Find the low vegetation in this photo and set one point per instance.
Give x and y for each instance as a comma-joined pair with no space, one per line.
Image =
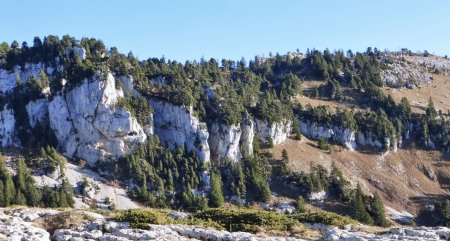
245,220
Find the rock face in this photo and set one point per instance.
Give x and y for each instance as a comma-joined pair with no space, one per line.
37,111
348,138
411,71
224,141
248,133
7,127
399,75
128,85
177,126
420,233
8,79
89,126
278,131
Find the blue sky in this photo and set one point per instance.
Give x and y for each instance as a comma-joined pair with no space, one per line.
190,29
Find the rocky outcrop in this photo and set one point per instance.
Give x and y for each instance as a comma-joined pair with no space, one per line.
87,124
277,131
8,79
7,127
400,75
343,136
248,133
37,111
427,171
412,71
176,126
224,141
400,233
346,137
128,85
20,224
434,64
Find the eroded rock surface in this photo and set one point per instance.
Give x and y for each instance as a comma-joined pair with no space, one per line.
89,126
177,126
7,127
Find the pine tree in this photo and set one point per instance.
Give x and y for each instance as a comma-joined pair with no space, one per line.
300,205
9,189
216,198
284,162
21,175
431,111
32,194
241,181
377,211
359,208
296,131
19,199
2,194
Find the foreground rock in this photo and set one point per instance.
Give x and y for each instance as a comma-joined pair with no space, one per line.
420,233
44,224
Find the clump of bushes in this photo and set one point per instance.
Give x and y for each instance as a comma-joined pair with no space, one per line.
246,220
327,218
324,145
243,220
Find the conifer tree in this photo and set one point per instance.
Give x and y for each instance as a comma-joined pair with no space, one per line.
296,131
431,111
2,194
359,208
21,175
19,199
377,211
300,205
216,198
9,189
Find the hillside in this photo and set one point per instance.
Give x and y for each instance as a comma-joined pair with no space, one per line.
88,127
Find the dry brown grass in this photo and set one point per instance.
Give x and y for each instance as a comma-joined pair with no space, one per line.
395,175
439,90
309,87
63,220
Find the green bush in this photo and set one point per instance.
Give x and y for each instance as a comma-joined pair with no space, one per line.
324,145
325,218
246,220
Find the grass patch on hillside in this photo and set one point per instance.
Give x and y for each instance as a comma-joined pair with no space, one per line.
327,218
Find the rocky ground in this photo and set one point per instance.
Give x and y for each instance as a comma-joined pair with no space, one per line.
44,224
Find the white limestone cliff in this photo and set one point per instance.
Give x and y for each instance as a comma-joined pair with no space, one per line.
37,111
348,138
89,126
248,133
7,127
8,78
177,126
278,131
224,141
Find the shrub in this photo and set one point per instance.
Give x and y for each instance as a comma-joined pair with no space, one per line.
324,145
325,218
246,220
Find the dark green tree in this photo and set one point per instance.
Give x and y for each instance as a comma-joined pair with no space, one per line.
359,211
216,198
296,131
377,211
